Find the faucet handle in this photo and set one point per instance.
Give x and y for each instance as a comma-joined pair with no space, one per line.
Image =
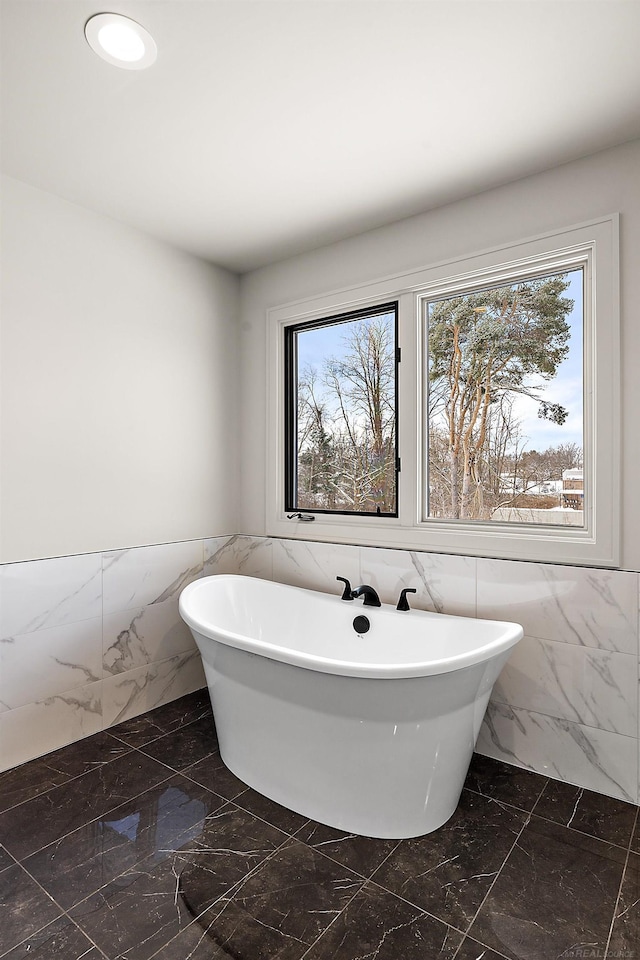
346,593
403,603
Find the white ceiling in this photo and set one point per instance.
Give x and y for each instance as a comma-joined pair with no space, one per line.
268,127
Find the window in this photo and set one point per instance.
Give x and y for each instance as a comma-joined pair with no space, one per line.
504,412
341,402
504,386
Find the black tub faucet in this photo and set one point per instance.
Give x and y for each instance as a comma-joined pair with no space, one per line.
346,593
403,603
371,598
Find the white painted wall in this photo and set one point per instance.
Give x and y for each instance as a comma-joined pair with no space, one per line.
604,183
119,385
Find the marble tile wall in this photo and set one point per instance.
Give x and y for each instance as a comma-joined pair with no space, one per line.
88,641
566,704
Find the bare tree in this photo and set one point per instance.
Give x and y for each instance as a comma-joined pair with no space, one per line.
363,384
346,423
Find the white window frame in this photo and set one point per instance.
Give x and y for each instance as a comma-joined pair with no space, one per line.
594,245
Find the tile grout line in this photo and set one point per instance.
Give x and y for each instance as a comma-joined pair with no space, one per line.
63,913
238,885
48,895
512,848
415,906
99,816
9,854
622,879
130,749
132,866
109,733
495,879
268,823
615,906
340,912
142,747
497,953
228,895
370,881
64,783
580,723
505,803
289,836
426,913
560,823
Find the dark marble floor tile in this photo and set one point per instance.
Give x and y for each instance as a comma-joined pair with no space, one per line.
213,773
362,854
504,782
377,924
27,781
209,937
625,935
281,817
6,860
85,755
635,837
38,822
36,777
472,950
149,827
592,813
138,912
24,907
186,745
137,731
171,716
231,834
279,911
60,940
149,726
448,872
556,892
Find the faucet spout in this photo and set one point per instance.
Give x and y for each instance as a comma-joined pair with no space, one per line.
371,598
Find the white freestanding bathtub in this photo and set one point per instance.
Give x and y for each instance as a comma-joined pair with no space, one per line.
369,732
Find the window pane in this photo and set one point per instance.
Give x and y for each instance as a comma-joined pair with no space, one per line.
505,403
342,433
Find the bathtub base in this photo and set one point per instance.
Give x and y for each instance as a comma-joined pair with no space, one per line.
378,757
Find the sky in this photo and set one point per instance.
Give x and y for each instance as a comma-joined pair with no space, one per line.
314,346
565,388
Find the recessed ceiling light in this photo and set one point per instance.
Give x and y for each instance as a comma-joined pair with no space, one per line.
120,41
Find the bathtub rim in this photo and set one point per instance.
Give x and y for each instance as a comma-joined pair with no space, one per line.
510,634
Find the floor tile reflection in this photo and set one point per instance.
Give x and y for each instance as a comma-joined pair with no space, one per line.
139,843
148,827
